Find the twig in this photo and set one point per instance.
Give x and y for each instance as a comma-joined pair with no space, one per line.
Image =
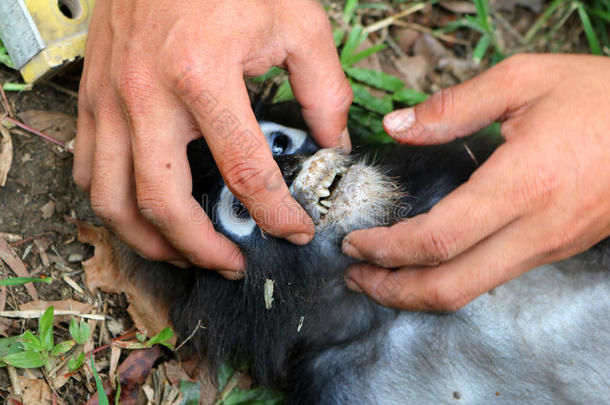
37,313
61,89
393,18
7,106
195,329
34,131
421,28
12,375
30,238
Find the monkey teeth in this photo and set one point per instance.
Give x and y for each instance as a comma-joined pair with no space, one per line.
317,183
322,209
323,203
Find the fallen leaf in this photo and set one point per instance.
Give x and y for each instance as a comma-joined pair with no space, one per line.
112,272
10,237
6,154
458,7
41,249
430,48
66,305
8,255
6,325
405,37
34,391
59,126
510,5
414,69
115,355
48,209
132,375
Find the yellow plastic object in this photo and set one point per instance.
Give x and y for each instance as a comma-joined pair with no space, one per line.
63,30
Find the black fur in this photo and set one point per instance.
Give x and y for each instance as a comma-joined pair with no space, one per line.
308,280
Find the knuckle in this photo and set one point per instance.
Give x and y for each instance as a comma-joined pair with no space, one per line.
389,253
513,68
442,300
244,177
153,252
442,102
438,246
390,291
106,208
535,187
188,77
133,83
153,206
344,96
81,179
559,243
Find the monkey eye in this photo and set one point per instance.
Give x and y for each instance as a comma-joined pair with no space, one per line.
239,210
232,215
280,142
283,140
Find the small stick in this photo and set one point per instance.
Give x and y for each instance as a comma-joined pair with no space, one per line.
393,18
61,89
7,106
34,131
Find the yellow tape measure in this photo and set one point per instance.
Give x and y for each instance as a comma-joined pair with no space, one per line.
43,35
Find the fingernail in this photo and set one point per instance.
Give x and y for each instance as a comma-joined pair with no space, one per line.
299,238
350,284
183,264
350,250
232,275
345,143
399,121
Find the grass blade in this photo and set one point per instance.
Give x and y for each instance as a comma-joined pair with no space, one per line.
481,48
24,280
375,78
589,31
365,54
363,97
101,394
355,37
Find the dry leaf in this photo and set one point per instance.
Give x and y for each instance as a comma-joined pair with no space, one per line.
8,255
414,69
6,325
458,7
66,305
115,355
106,270
34,392
430,48
132,374
57,125
510,5
48,209
6,154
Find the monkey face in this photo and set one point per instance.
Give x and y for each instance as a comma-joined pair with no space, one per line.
340,193
308,309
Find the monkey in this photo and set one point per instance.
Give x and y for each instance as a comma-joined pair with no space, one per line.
543,337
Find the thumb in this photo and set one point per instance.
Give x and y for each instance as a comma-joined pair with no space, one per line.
470,106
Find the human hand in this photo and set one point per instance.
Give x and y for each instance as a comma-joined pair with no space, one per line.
541,197
159,74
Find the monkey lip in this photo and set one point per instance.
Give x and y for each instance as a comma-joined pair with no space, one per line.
337,191
327,189
319,182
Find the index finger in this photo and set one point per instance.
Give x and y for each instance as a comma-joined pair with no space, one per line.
318,81
493,197
224,115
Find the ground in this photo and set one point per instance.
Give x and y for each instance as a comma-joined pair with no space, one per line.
40,198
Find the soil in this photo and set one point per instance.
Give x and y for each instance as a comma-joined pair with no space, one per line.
40,192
